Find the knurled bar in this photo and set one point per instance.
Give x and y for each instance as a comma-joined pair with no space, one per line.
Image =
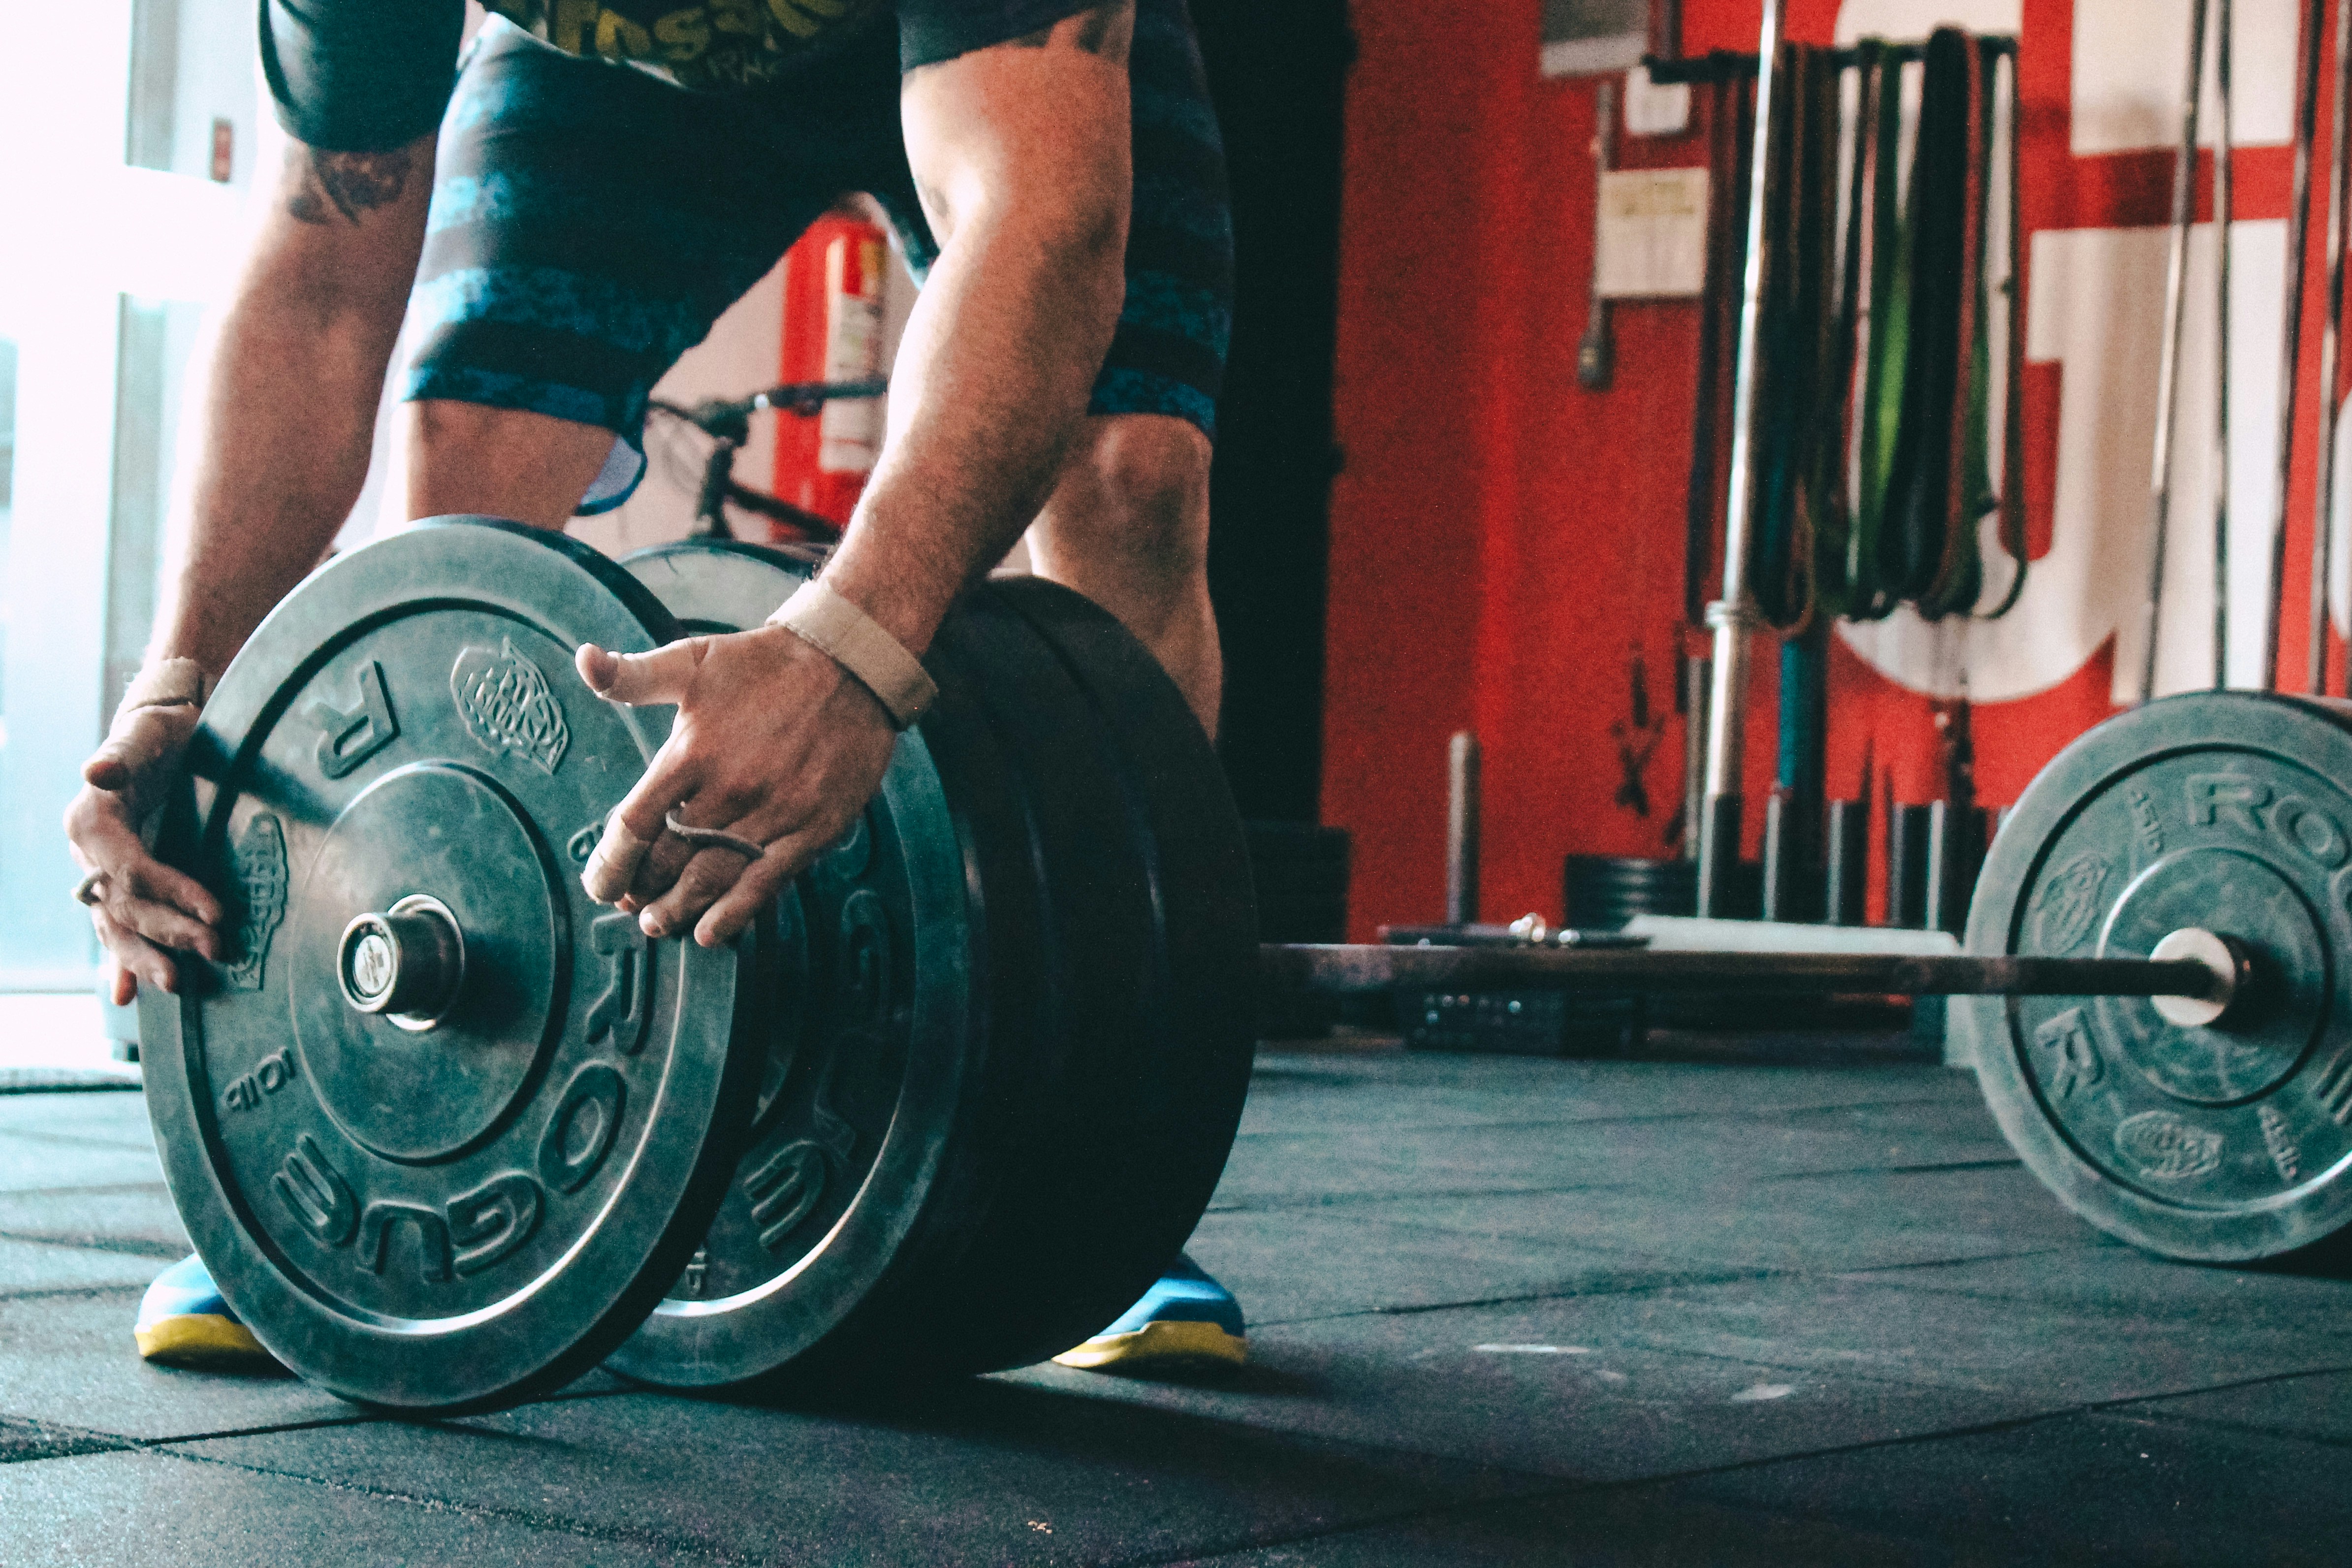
1338,969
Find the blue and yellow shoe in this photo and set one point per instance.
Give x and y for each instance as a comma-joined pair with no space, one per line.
1186,1318
183,1321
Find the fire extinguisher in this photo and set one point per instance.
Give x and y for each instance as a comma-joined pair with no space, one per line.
833,331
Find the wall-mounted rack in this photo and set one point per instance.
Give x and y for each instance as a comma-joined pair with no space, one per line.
1722,65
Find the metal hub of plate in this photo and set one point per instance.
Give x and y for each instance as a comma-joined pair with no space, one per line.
2218,1136
868,991
2237,989
423,1069
407,964
441,1127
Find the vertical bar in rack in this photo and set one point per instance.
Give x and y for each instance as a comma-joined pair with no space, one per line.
1697,675
1734,616
1596,355
1847,877
1666,39
2167,369
1462,829
2323,511
2298,244
1908,837
1950,866
2221,213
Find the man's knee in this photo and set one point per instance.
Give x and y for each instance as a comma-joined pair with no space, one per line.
1137,494
456,456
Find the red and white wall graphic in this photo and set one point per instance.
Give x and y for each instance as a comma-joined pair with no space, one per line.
1503,542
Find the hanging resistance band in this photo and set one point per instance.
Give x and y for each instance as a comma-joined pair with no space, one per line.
1730,142
2012,439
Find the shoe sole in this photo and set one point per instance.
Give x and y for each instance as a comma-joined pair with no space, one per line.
204,1340
1163,1341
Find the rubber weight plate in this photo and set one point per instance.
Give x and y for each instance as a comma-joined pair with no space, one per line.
1085,1206
878,1012
1177,1103
2221,810
441,1127
1050,1198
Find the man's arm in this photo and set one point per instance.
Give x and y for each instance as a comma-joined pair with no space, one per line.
1022,153
291,389
281,433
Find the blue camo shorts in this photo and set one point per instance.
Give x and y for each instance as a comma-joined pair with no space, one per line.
589,223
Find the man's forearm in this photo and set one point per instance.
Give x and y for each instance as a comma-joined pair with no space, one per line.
283,428
1000,356
283,435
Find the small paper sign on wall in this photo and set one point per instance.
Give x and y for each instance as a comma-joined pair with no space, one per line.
1652,234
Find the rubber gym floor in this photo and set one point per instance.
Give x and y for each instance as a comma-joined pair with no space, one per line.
1787,1302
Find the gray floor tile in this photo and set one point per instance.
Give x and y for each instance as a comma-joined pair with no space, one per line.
21,1441
121,1077
1671,1153
1363,1264
2317,1407
985,1471
127,1511
1860,1328
2093,1279
1734,1314
29,1266
2075,1489
40,1162
1544,1388
70,1360
138,1218
1309,1093
114,1116
1593,1527
1811,1224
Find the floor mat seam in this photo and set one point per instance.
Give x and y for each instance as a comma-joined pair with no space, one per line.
552,1523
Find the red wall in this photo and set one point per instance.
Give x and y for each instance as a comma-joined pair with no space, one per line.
1502,540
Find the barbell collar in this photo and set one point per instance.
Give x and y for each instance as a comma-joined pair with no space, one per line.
2230,964
407,964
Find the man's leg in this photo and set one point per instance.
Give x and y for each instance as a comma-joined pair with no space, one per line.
457,458
1127,526
565,270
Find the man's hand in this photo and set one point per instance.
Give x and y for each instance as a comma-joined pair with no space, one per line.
141,907
774,744
1021,154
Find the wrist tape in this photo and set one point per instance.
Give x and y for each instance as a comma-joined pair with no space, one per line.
832,625
168,683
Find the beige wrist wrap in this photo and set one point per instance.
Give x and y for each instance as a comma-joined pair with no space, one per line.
168,683
831,624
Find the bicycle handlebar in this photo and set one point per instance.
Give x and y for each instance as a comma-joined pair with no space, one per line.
730,419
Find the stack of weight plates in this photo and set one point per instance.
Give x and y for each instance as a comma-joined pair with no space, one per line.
1301,872
985,1142
447,1134
1602,893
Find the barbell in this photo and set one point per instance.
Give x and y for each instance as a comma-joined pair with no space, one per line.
448,1133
